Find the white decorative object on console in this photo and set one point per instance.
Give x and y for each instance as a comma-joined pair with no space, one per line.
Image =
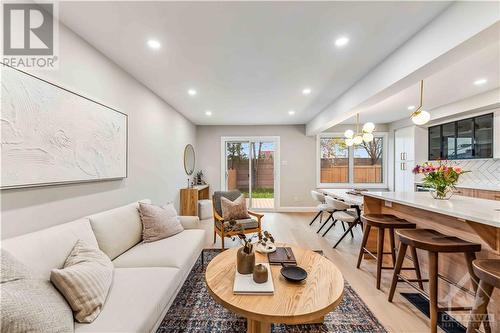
51,135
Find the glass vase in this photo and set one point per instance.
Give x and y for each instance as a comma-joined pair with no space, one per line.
442,193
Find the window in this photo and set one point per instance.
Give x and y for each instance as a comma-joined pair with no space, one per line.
368,162
342,166
334,160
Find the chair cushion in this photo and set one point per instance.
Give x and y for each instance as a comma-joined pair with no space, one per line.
137,299
179,251
158,222
346,216
249,223
84,281
231,195
234,210
117,230
30,304
47,249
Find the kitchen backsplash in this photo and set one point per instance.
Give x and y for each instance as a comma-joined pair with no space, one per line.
484,173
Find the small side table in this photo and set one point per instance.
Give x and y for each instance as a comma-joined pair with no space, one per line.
190,197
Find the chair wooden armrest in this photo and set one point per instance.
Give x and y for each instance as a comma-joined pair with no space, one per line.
257,215
218,217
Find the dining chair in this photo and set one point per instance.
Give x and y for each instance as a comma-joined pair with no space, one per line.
345,214
321,207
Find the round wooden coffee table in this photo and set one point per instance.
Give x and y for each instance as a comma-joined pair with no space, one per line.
292,303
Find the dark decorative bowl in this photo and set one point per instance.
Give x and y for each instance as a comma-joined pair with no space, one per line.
294,273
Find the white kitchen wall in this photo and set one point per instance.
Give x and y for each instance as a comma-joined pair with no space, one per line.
157,136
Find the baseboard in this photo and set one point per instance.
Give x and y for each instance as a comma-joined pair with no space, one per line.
296,209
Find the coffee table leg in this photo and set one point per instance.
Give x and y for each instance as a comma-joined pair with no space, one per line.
254,326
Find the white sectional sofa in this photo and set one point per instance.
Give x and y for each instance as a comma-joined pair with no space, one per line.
147,276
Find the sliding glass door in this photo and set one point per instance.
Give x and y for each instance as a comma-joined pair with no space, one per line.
250,166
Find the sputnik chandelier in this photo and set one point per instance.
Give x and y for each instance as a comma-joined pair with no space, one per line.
366,134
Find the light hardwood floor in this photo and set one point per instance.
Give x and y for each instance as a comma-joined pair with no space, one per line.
399,316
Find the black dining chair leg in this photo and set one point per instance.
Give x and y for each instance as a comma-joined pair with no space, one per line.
331,226
345,234
326,221
314,219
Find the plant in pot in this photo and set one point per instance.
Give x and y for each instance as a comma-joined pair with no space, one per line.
441,179
245,261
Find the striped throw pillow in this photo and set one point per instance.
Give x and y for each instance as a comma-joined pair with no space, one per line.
84,281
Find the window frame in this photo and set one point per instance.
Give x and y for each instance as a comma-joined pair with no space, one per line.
350,184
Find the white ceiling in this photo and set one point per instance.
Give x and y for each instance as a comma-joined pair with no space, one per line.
455,82
248,61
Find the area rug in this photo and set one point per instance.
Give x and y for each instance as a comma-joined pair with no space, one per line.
195,311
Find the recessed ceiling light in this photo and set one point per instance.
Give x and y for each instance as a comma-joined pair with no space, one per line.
341,41
208,113
291,112
479,82
192,92
306,91
411,107
154,44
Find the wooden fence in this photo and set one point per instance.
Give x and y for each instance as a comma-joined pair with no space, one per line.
263,177
362,174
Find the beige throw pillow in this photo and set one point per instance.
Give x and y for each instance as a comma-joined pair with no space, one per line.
30,304
158,222
234,210
84,281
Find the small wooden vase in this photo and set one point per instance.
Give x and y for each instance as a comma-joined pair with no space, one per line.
245,262
260,273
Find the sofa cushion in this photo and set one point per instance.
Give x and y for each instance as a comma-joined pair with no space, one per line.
30,304
118,229
84,281
136,301
158,222
180,251
47,249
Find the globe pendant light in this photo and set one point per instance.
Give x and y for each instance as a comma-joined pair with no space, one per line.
419,116
366,135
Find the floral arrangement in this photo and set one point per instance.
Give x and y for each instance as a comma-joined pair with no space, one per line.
441,178
247,242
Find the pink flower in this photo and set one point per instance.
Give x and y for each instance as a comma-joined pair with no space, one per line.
458,169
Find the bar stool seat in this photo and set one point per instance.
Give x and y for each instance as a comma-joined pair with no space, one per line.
382,222
434,241
488,272
386,221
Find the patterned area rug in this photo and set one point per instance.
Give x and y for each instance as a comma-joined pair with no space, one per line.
194,311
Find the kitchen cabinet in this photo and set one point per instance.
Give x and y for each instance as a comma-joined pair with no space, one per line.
463,139
409,148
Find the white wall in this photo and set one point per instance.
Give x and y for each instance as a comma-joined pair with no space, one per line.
297,154
157,136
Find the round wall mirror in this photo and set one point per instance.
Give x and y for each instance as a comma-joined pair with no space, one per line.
189,159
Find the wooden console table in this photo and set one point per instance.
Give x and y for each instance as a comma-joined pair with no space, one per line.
190,197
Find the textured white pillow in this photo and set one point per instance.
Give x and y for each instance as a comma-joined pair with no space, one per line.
29,304
84,281
158,222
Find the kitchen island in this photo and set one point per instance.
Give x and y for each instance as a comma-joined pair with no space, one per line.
472,219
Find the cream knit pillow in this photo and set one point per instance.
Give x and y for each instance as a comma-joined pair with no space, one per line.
84,281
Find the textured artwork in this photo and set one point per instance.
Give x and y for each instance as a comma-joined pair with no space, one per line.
52,136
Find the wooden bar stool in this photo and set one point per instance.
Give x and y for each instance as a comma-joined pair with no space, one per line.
434,243
488,272
382,222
